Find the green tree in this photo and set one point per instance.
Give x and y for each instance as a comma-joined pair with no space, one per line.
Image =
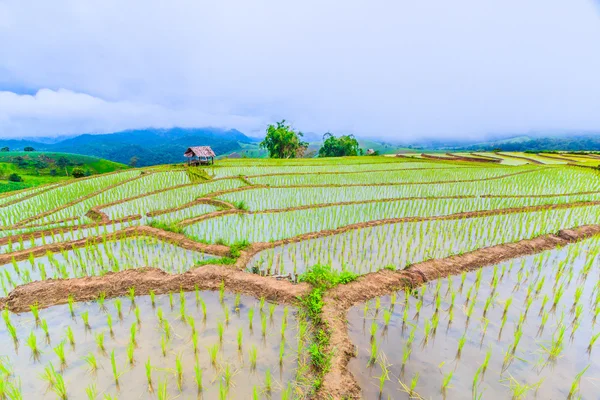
63,162
345,145
282,141
78,172
5,148
28,148
15,178
133,161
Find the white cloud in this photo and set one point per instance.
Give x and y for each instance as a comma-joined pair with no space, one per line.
63,112
395,68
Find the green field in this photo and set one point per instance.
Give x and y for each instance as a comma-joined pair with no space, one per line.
454,276
38,168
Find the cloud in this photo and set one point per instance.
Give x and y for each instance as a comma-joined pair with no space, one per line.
394,68
50,112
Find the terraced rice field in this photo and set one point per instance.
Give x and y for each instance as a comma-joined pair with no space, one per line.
367,277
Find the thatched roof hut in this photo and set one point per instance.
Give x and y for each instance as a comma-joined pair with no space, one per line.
197,155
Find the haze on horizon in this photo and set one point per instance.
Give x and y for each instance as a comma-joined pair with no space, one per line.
395,69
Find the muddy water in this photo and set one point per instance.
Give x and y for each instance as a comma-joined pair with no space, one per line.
435,355
133,383
99,259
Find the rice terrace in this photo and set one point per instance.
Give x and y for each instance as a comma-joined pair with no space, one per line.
417,276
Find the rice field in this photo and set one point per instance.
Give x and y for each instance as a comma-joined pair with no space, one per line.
235,281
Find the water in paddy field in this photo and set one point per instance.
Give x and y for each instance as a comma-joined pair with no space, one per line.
150,337
96,260
538,350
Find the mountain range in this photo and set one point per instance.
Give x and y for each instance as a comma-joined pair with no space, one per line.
150,146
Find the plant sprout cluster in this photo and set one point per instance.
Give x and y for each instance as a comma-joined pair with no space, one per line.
145,184
398,245
394,176
58,235
213,345
169,199
328,168
522,329
272,226
59,196
99,259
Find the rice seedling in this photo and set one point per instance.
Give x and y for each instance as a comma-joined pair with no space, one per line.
113,364
59,350
198,377
91,391
179,371
213,352
253,353
446,381
99,337
268,381
31,342
91,362
148,369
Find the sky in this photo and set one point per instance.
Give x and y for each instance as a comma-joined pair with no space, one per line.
398,69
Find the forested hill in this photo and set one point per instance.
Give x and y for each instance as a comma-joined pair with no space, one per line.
150,146
574,143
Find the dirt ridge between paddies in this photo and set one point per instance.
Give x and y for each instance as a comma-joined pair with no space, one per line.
339,383
531,160
115,284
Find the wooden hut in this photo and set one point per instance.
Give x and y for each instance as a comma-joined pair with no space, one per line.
200,155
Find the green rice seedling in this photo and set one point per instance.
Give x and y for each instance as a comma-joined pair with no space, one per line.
163,345
220,331
166,328
222,391
70,336
159,315
91,391
59,350
203,304
31,342
593,341
213,352
271,311
71,301
373,329
255,393
153,298
268,381
384,373
240,335
413,384
228,375
575,385
461,344
253,355
198,376
250,317
113,364
387,316
118,306
148,368
48,374
44,326
91,362
138,317
221,291
36,312
100,341
171,300
261,304
281,352
85,317
132,334
130,353
179,371
374,353
109,323
59,388
226,312
100,300
446,381
162,390
263,324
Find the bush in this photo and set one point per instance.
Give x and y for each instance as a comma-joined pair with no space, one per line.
78,172
28,148
15,178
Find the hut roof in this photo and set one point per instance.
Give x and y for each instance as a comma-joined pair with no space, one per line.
199,151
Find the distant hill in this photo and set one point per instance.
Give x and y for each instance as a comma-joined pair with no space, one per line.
150,146
526,143
39,167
